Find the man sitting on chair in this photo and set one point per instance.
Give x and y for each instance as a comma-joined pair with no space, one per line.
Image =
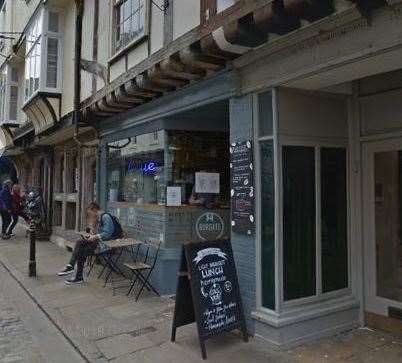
86,246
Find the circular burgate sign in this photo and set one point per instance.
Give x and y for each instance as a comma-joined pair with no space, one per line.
210,226
2,142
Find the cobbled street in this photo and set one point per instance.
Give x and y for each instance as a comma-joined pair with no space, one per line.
26,334
16,342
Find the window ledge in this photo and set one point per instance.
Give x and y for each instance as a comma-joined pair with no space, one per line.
122,52
307,312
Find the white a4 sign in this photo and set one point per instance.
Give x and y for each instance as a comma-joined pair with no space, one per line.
207,183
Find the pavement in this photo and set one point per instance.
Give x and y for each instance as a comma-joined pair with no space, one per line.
43,320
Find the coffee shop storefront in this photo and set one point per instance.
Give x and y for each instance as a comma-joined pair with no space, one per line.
169,178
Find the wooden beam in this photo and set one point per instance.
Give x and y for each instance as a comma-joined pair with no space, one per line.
244,32
310,10
238,10
105,107
175,69
113,101
121,95
155,74
131,89
193,57
274,19
145,83
208,9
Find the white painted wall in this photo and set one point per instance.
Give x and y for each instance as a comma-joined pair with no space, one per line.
186,15
156,26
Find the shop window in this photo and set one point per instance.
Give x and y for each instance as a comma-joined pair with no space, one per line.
267,224
140,170
308,232
130,21
334,242
299,222
43,53
265,114
9,94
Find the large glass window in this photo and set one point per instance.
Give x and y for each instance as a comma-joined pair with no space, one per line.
299,228
136,170
267,224
334,241
33,56
9,94
140,169
301,222
43,46
130,21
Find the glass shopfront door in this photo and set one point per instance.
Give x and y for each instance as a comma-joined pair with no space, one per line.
382,183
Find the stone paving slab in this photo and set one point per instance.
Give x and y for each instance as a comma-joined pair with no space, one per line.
108,328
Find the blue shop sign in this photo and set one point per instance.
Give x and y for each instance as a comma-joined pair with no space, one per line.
146,167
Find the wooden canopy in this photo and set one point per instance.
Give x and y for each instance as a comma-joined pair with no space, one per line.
210,48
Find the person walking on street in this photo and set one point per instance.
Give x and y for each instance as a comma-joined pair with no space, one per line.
86,246
16,208
5,208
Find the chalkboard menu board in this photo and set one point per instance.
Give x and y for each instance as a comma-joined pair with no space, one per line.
242,187
208,291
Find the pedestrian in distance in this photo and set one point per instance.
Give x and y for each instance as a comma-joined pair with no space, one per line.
16,208
5,208
106,226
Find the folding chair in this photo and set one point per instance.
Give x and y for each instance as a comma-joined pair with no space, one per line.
96,257
142,270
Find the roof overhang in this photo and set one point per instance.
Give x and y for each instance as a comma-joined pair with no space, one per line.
6,138
211,47
43,109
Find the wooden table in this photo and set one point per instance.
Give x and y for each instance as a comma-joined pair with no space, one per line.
122,243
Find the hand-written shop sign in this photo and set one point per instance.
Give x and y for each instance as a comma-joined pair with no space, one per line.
208,291
242,187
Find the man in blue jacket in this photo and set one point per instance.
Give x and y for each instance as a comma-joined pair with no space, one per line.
5,208
85,247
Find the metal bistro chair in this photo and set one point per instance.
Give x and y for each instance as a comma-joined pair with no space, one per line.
142,270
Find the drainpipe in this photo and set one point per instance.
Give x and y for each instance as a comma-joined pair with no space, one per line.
79,6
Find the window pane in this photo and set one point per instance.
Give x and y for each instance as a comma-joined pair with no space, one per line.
299,240
52,56
53,22
130,18
267,225
387,218
265,113
334,243
13,102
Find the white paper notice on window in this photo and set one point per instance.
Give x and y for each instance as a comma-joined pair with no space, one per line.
173,196
207,183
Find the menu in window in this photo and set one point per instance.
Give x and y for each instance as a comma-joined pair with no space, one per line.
242,187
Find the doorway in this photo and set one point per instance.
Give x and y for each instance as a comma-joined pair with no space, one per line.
382,186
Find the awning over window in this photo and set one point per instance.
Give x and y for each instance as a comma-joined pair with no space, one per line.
6,138
43,110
